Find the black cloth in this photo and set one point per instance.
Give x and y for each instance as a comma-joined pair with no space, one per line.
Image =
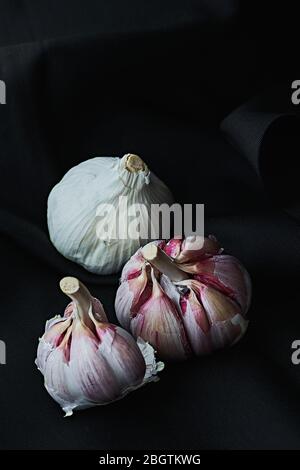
158,79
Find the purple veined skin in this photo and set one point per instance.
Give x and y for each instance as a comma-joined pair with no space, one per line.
87,361
185,297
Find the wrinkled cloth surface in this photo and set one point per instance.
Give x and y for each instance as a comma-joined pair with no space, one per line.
201,90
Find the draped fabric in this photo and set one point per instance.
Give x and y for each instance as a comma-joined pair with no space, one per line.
202,91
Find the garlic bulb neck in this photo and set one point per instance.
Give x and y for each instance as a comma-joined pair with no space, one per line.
134,163
160,260
80,295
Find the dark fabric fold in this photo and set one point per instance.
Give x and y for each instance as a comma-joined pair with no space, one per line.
266,131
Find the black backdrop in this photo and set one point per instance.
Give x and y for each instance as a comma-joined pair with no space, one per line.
162,79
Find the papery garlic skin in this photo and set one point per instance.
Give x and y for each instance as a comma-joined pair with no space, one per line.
206,291
74,226
87,361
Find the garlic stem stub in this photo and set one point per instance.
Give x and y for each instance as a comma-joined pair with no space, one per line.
87,361
80,295
158,258
89,211
185,297
134,163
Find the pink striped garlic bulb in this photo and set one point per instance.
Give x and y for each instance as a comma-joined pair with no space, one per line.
184,297
87,361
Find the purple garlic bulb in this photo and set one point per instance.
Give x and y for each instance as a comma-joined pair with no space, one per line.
87,361
184,297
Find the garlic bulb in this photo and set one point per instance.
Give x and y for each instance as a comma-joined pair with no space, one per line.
184,297
89,210
87,361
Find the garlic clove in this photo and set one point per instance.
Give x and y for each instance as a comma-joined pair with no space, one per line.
228,325
196,323
158,322
228,332
92,375
226,274
56,329
133,267
189,300
57,374
211,319
196,248
120,349
130,295
56,381
217,306
201,257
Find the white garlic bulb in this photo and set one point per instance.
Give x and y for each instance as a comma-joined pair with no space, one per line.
81,232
